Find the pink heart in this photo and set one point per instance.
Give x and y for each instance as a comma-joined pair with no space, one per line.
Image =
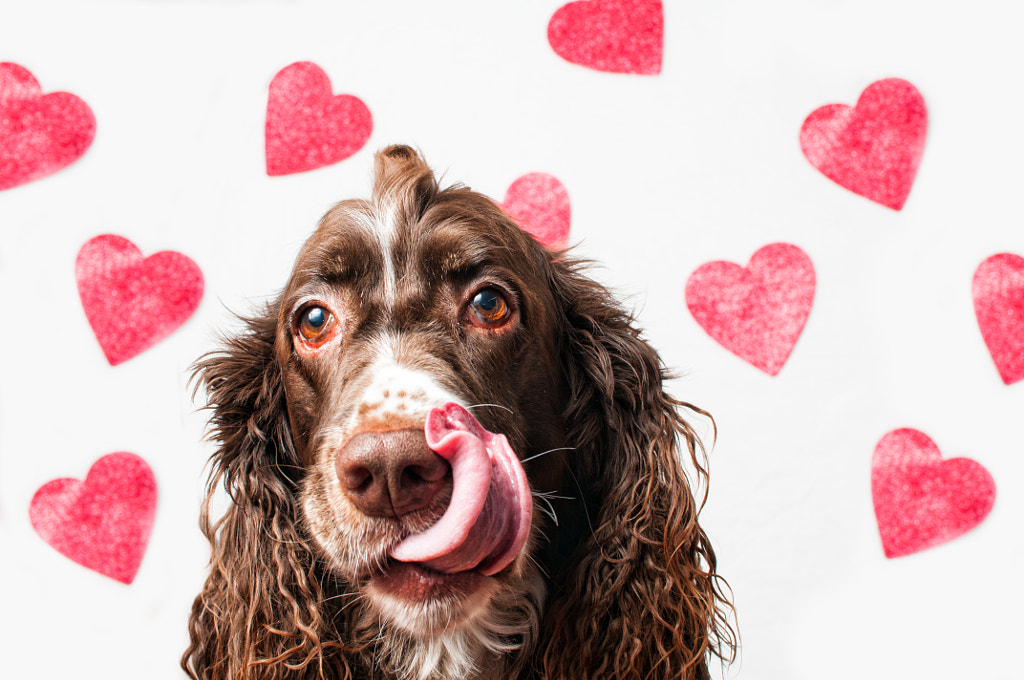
999,305
131,302
874,149
757,312
922,501
309,127
39,134
102,523
618,36
539,203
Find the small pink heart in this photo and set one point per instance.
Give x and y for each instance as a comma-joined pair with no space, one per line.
757,312
617,36
309,127
104,522
539,203
999,305
921,500
131,302
873,149
39,134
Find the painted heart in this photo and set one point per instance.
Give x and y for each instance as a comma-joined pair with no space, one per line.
132,302
998,291
756,312
874,148
539,203
104,522
921,500
39,133
308,126
617,36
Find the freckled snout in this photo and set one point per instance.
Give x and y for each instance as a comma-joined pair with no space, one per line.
391,473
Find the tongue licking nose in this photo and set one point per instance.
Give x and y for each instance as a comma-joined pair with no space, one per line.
488,518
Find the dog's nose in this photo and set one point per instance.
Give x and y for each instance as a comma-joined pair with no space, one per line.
389,474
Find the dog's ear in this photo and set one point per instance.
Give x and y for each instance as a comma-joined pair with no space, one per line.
642,598
260,607
403,183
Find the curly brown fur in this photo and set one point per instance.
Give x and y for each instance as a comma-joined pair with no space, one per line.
617,580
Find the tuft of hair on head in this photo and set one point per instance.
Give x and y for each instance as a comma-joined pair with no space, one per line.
403,183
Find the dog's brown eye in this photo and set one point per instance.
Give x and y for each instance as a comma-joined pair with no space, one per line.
488,308
314,324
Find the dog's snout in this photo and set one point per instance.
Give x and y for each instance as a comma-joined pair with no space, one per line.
392,473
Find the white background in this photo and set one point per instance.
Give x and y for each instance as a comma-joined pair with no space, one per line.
664,173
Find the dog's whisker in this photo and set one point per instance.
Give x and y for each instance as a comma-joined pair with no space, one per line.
494,405
544,453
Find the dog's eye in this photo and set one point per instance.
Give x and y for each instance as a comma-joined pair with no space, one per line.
314,323
488,308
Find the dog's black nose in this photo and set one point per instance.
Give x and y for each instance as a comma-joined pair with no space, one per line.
391,473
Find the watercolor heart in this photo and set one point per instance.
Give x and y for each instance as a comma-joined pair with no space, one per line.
998,291
132,302
873,149
539,203
104,522
921,500
616,36
308,126
39,133
756,312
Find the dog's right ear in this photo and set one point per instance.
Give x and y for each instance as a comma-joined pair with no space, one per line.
403,183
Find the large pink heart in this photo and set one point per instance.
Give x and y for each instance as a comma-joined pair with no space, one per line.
999,305
104,522
618,36
309,127
132,302
921,500
759,311
539,203
39,134
873,149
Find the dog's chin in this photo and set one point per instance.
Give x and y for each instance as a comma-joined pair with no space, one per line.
423,601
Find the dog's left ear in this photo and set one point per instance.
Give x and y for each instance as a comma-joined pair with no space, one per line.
643,599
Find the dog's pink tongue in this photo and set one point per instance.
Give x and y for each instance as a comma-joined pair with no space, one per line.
488,518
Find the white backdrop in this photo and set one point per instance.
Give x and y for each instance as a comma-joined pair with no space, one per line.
665,173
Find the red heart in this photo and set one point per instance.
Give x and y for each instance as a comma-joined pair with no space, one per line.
999,305
132,302
102,523
922,501
757,312
39,134
618,36
539,203
874,149
307,126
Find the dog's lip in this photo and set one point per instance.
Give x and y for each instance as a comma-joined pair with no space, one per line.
414,581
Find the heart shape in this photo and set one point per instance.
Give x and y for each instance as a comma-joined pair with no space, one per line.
756,312
539,203
104,522
998,291
873,149
39,133
309,127
921,500
131,302
617,36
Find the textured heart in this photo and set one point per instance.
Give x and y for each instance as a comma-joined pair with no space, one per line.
922,501
309,127
539,203
618,36
132,302
999,305
104,522
873,149
759,311
39,133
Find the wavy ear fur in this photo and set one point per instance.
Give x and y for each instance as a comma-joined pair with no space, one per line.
259,613
641,599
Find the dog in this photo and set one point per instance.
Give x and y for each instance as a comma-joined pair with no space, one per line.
449,453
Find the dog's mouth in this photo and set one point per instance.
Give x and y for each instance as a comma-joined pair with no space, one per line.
416,582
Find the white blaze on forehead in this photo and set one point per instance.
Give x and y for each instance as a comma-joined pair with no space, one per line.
385,230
